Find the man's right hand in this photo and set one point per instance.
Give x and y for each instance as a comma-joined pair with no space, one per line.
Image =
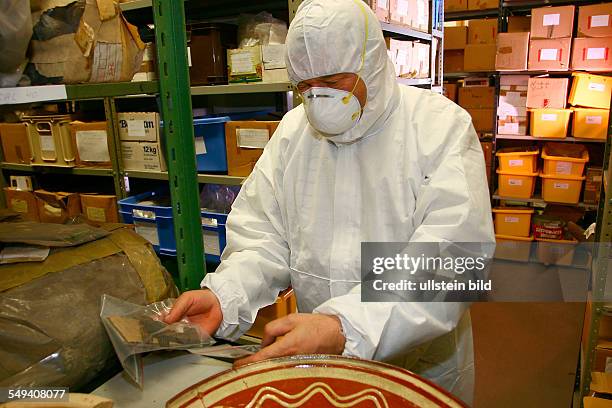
201,307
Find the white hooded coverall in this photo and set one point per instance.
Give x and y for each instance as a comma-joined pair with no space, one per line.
411,170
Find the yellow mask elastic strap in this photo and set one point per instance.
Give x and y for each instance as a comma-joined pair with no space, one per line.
361,5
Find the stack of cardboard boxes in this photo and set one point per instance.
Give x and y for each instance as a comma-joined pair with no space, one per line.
478,101
409,13
140,142
463,5
410,58
470,48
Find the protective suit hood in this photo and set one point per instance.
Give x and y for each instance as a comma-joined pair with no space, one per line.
327,37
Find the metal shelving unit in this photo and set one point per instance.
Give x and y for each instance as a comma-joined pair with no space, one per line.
539,201
257,87
548,139
407,31
470,14
202,178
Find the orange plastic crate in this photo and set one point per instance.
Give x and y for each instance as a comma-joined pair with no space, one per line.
563,166
516,185
521,160
513,221
561,189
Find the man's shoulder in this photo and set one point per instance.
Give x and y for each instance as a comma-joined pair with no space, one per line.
434,108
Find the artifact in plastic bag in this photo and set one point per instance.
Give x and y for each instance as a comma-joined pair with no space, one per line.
49,235
260,29
218,198
134,329
15,33
227,351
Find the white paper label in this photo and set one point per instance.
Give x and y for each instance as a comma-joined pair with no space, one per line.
549,117
22,183
511,128
252,138
189,56
136,128
596,54
274,56
200,145
242,63
27,94
47,144
563,168
593,120
92,145
511,220
382,4
594,86
147,231
551,19
515,182
211,242
561,186
602,20
516,163
513,97
402,7
548,54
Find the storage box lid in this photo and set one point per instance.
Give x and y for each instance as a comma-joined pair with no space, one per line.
513,210
562,177
518,151
516,173
513,238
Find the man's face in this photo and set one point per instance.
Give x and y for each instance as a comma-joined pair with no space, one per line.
343,81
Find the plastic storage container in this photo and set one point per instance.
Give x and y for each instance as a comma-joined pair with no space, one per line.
556,252
283,306
50,140
513,221
516,185
563,159
550,122
512,248
561,189
208,45
518,159
211,155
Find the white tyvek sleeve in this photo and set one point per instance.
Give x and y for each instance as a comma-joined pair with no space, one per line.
254,266
452,206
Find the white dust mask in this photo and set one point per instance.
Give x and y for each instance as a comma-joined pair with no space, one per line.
331,111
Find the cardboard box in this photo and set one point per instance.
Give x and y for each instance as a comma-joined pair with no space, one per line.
482,119
552,22
274,65
455,38
143,156
603,356
90,144
422,16
57,207
550,122
549,55
138,126
400,12
455,5
420,60
453,60
594,402
244,141
381,9
547,92
592,91
595,20
482,31
482,4
450,90
519,24
487,150
22,202
590,123
23,183
99,209
512,51
479,97
512,105
479,57
592,54
592,187
15,144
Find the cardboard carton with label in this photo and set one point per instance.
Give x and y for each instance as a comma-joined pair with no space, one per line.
90,140
57,207
99,209
552,22
512,51
544,92
549,55
592,91
22,202
595,20
592,54
245,141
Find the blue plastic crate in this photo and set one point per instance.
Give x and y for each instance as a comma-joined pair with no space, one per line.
212,132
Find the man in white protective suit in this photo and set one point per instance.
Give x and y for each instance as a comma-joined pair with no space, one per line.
362,159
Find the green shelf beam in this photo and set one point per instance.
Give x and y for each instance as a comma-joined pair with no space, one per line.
171,42
257,87
113,89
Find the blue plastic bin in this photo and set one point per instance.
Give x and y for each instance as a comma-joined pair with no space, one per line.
212,131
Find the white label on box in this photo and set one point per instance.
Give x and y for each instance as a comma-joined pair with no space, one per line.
96,214
274,56
515,182
512,220
47,144
147,231
28,94
23,183
596,54
211,242
516,163
608,368
242,63
594,86
602,20
136,128
513,97
402,7
382,4
252,138
188,56
92,145
561,186
548,54
563,168
549,117
551,19
593,120
511,128
209,222
200,145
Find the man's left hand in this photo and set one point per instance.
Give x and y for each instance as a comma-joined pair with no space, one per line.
302,333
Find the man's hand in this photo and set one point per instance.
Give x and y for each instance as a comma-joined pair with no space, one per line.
201,307
302,334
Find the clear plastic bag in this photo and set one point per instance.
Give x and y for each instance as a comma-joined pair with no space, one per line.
135,329
15,33
260,29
